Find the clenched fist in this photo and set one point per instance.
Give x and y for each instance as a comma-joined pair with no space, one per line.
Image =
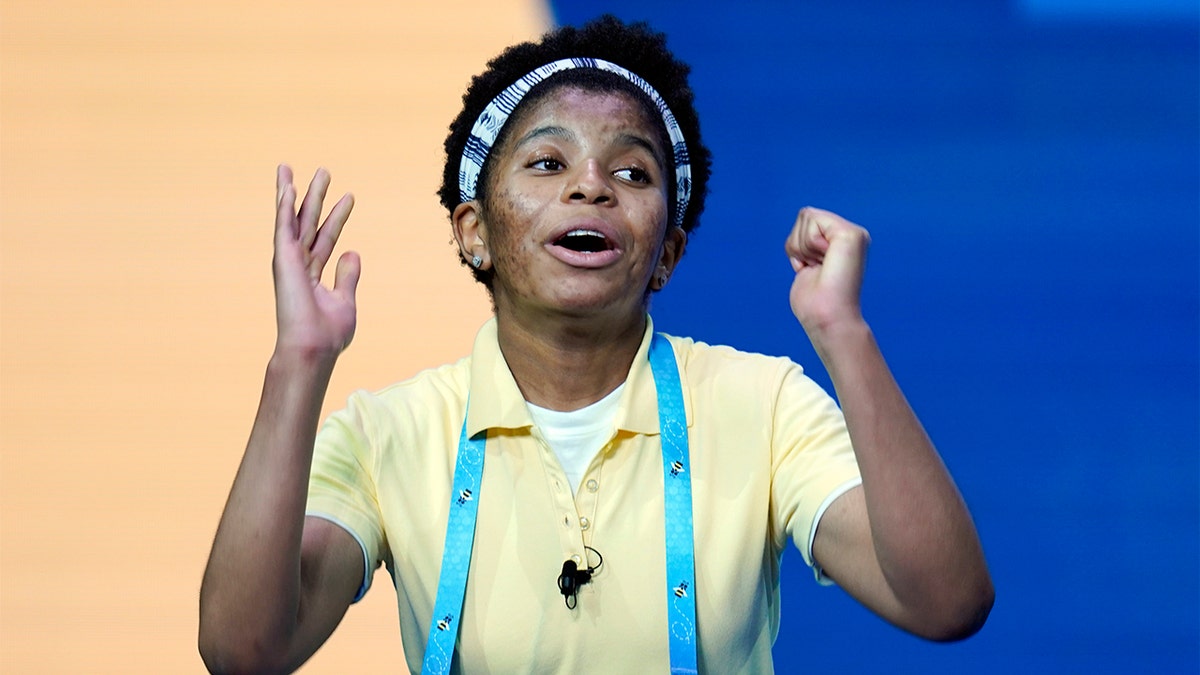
829,256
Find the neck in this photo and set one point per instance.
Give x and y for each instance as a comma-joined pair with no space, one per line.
565,363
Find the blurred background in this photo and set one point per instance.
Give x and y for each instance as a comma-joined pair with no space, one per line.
1029,171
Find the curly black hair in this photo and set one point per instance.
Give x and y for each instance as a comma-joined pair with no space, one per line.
635,47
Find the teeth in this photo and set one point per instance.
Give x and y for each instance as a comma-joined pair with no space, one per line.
584,241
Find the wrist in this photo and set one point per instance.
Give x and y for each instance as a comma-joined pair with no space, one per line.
833,339
295,359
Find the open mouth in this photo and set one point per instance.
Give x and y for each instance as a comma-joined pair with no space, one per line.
584,241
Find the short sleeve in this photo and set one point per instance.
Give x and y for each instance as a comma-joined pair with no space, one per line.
813,461
341,486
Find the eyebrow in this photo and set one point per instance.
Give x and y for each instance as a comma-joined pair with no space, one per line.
568,135
639,141
549,130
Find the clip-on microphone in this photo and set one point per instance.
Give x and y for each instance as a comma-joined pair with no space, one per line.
572,578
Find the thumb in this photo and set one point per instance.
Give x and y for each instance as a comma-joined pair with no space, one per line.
349,269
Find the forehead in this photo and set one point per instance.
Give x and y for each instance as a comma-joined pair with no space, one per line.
585,111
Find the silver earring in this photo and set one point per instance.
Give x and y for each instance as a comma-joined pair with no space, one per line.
476,262
662,280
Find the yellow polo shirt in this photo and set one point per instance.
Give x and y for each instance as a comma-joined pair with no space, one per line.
769,451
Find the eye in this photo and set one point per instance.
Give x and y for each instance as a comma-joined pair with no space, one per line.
633,174
546,164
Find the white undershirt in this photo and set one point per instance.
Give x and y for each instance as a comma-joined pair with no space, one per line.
576,436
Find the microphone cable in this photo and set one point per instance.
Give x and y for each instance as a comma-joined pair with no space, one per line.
572,578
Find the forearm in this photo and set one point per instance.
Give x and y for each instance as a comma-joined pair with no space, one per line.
251,593
922,533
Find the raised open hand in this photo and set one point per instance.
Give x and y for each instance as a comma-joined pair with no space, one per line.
312,320
829,256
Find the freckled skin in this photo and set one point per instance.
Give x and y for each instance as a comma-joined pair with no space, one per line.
588,170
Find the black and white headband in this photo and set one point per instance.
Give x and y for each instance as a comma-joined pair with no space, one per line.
495,115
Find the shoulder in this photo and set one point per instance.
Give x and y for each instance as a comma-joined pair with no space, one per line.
739,380
735,386
434,386
703,362
405,407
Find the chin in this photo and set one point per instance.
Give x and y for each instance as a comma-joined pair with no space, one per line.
593,302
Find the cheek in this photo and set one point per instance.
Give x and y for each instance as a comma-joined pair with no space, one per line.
519,208
652,215
508,217
655,207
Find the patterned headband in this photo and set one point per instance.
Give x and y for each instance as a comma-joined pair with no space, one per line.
495,115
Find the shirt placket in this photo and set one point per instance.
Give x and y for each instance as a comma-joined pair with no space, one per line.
571,526
587,497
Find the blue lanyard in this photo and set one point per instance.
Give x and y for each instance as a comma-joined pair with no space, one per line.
456,554
677,500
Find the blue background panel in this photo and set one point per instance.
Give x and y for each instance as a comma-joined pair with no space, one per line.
1029,175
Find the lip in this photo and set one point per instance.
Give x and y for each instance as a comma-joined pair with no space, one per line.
585,259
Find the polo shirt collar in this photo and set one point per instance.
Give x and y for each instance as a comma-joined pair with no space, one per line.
496,400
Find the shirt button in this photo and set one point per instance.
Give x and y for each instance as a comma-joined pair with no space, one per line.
592,485
584,523
576,559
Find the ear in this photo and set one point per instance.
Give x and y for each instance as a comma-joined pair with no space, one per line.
471,233
674,244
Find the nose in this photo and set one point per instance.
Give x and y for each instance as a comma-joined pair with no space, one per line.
589,185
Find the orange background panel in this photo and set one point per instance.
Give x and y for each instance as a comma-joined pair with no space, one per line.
138,144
